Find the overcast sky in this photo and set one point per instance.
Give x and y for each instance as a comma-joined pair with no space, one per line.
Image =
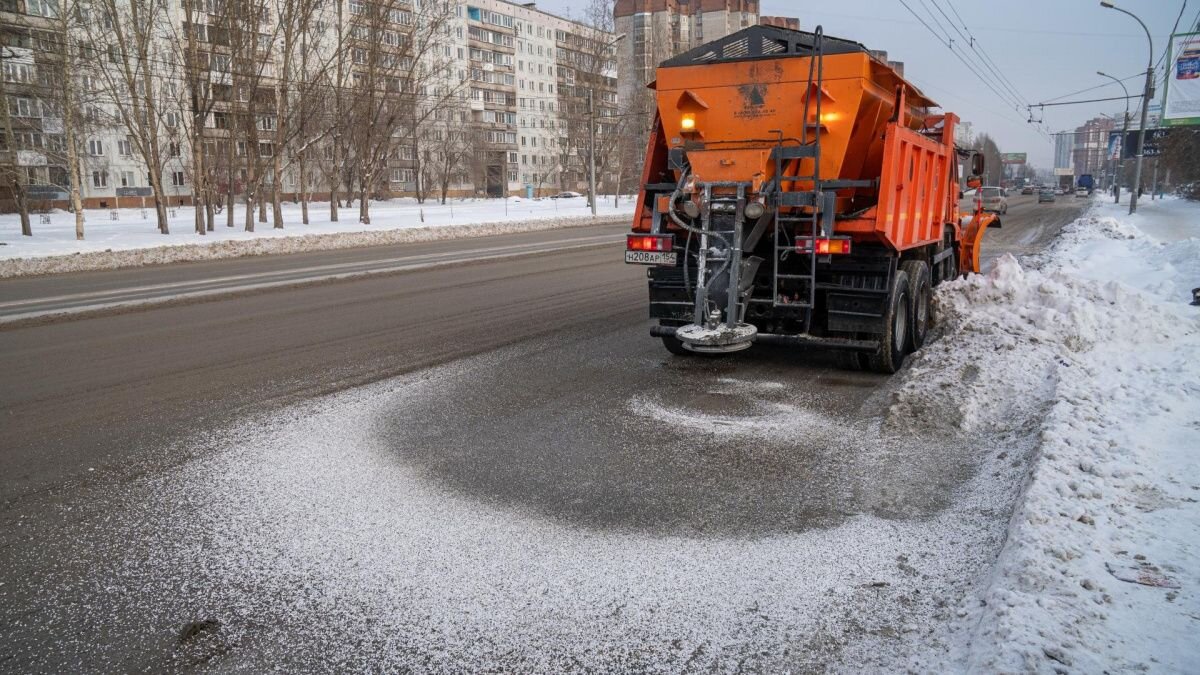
1046,48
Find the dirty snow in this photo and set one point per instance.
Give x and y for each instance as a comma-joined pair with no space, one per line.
132,239
312,540
1091,347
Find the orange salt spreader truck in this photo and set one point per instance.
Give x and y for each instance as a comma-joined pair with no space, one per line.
798,191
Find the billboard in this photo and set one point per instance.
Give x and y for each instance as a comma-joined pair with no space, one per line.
1126,148
1181,91
1012,158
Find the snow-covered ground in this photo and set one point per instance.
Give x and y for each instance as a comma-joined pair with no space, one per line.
1094,347
132,238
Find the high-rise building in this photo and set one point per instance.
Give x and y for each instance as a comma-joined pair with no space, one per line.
1091,145
1064,151
656,30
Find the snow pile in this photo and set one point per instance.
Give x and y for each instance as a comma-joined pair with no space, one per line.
132,239
1094,351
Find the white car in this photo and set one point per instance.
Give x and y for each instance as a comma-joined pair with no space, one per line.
566,195
995,199
1081,192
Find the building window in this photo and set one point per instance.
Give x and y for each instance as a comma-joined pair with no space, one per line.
95,148
20,107
177,178
127,179
125,148
100,179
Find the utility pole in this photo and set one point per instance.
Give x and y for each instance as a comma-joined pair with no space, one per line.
1124,136
592,148
1147,93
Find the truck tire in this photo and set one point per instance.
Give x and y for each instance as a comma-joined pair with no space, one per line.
675,346
920,293
893,345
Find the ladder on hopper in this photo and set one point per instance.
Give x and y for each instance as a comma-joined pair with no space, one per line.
809,213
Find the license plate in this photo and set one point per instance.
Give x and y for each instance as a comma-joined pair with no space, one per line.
650,257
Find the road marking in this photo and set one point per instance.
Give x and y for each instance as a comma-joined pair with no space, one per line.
232,284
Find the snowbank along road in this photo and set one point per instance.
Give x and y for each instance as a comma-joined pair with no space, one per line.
473,467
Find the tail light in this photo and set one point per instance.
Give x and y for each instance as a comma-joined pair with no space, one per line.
649,242
824,246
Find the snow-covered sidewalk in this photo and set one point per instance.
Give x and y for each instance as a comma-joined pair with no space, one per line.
1094,348
132,238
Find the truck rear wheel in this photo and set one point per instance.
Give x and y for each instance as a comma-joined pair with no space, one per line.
675,346
920,293
894,343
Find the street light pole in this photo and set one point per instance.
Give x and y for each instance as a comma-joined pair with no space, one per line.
1147,92
1124,136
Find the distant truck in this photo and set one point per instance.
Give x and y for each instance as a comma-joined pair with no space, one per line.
1066,184
1086,182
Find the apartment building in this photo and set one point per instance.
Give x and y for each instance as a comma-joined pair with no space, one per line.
1089,151
497,89
660,29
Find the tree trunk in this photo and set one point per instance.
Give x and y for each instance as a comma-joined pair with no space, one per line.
303,187
333,198
276,179
364,214
76,174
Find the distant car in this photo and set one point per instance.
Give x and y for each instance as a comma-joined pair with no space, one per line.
995,199
1027,190
1046,196
1059,191
1081,192
566,195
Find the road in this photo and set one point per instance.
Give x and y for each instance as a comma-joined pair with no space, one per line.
469,466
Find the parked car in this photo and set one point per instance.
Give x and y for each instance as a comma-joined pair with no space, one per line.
1081,192
995,199
1059,191
1045,196
566,195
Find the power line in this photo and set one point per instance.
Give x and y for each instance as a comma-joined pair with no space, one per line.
956,54
1090,100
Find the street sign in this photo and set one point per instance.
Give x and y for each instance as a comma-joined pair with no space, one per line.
1012,158
1064,171
1181,93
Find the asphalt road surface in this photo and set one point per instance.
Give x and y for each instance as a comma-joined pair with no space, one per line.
481,464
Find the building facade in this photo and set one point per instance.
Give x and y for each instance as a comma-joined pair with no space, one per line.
656,30
1064,151
1090,146
473,97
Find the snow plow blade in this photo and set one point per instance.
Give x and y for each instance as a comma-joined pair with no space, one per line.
972,238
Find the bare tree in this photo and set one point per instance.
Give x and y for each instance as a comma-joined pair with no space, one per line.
130,60
15,176
588,106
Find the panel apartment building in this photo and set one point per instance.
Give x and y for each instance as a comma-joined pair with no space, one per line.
656,30
506,84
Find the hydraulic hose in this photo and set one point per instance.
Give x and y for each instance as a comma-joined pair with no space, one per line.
696,230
